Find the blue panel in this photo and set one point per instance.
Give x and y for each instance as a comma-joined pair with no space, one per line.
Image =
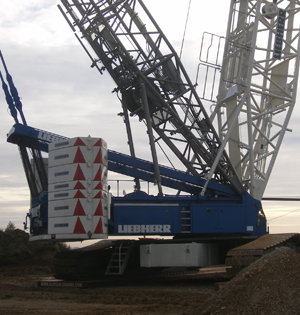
140,219
204,219
218,218
232,219
227,217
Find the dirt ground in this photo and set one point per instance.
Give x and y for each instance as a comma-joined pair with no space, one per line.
19,294
269,286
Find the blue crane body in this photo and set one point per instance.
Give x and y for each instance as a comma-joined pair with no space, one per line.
222,211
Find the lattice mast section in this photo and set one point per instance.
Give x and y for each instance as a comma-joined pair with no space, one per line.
152,81
258,86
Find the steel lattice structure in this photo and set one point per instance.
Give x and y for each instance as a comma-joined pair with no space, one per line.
258,86
153,83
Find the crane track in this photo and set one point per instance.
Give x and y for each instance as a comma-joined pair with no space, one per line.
90,263
242,256
212,275
83,263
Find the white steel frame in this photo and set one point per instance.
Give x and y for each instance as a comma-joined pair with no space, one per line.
257,92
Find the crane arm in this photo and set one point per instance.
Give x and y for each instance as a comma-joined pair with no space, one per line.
134,54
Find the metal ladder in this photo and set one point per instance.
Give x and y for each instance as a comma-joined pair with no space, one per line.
185,220
119,258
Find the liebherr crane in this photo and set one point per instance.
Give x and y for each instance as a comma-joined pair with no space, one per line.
223,176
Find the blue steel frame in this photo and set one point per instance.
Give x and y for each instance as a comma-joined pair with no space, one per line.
221,211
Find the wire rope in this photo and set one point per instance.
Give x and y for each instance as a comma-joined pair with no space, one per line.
185,28
283,215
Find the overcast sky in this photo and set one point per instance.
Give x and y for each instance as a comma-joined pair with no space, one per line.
61,93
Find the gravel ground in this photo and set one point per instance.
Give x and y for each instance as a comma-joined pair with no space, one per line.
19,294
269,286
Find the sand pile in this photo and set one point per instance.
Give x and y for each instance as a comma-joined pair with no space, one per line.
269,286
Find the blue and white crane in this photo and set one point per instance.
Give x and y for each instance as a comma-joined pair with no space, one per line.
225,158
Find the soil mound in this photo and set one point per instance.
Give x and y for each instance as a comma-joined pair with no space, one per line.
15,248
269,286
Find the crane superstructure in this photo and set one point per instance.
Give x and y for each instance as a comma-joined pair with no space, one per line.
223,174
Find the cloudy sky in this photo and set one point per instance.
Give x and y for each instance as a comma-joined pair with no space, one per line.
61,93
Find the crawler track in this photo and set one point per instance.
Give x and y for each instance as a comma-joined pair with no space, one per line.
242,256
97,262
85,263
91,263
209,274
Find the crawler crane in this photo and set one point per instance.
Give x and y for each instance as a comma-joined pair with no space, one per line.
220,179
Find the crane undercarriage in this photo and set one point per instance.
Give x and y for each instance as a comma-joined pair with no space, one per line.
122,257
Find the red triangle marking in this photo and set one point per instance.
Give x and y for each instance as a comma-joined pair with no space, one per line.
79,186
79,229
99,174
79,142
99,186
98,143
99,195
99,209
79,194
79,157
79,174
98,158
99,228
79,209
